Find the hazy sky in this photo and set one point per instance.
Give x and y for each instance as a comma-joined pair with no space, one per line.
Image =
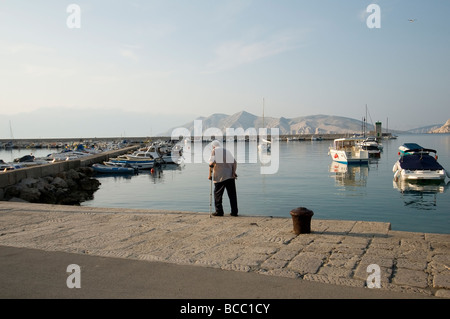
140,67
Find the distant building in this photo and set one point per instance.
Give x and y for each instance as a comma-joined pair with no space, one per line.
378,132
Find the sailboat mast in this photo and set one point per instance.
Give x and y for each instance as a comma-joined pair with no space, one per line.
263,113
10,130
365,123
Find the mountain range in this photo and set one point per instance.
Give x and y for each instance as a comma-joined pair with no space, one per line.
313,124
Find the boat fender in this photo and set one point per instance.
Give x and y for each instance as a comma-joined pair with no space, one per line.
396,175
436,157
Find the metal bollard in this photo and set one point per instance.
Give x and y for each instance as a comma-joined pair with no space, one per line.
301,218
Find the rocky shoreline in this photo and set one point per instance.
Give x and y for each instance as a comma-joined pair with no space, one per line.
70,187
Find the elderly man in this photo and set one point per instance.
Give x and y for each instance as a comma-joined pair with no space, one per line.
224,166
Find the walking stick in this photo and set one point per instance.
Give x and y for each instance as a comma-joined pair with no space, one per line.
210,192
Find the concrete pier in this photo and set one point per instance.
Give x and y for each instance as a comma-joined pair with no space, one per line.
13,177
336,253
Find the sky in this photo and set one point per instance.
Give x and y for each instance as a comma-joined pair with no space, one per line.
140,67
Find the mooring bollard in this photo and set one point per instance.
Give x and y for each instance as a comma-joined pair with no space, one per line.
301,218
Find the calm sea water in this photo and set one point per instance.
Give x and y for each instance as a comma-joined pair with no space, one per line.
306,177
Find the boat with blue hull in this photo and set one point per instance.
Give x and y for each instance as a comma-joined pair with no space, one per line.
416,164
109,169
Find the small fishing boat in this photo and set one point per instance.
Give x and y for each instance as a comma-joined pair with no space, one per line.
416,164
109,169
348,151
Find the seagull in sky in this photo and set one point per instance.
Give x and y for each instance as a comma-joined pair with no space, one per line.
412,20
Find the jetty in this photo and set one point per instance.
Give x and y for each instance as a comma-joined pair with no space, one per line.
13,177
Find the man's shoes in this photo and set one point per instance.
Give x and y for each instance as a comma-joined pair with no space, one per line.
217,214
234,215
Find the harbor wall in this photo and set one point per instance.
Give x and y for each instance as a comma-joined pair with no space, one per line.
29,143
13,177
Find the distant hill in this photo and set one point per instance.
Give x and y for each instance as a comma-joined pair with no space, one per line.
425,129
443,129
314,124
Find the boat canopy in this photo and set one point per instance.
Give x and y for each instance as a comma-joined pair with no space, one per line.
419,162
412,146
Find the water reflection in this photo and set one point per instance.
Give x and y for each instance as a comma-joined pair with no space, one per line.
160,173
349,175
157,174
420,195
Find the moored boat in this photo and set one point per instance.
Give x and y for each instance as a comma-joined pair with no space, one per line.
130,162
416,164
264,146
110,169
348,151
371,145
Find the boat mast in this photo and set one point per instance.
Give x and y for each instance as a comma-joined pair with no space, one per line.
263,113
10,130
365,123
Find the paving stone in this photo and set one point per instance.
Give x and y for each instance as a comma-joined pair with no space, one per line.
273,263
412,264
306,263
410,277
442,280
444,293
331,271
347,262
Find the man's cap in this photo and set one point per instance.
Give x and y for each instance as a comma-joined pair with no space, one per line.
215,143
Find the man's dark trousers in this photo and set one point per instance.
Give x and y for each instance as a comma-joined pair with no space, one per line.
219,188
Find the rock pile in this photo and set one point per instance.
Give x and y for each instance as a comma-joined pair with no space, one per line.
67,188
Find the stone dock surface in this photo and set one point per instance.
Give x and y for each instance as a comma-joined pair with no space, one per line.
335,252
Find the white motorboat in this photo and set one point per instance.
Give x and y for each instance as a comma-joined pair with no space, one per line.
371,145
134,161
159,151
418,166
348,151
264,146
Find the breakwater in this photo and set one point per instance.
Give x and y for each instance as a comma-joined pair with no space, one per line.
60,142
43,183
